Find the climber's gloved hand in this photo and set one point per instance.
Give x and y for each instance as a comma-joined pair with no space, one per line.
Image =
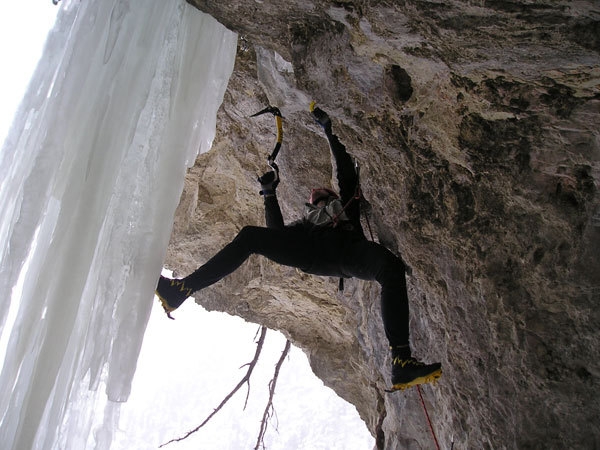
268,182
321,117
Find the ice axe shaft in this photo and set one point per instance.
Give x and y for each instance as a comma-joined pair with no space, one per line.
279,123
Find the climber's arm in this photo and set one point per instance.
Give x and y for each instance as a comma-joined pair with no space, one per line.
346,174
345,171
268,183
273,216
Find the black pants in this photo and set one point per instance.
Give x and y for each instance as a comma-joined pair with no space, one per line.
323,252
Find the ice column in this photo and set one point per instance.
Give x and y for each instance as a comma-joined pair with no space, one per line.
125,96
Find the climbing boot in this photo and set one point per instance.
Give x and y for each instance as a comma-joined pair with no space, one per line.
407,372
321,118
172,293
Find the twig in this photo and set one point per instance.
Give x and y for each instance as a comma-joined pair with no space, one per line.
269,407
244,380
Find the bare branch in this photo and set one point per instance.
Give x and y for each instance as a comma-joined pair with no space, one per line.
244,380
269,408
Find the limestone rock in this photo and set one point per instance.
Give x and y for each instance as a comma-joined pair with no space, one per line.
476,126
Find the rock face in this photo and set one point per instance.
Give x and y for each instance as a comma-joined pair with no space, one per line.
476,127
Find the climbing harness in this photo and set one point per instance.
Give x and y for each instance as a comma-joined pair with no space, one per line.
279,124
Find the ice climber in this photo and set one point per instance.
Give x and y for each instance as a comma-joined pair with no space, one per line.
328,241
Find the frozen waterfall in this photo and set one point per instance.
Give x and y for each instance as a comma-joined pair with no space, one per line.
125,96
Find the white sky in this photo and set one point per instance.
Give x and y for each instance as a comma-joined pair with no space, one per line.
23,28
180,365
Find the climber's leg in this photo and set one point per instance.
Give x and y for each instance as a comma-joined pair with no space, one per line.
288,246
371,261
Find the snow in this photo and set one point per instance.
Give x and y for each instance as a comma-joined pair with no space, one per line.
123,99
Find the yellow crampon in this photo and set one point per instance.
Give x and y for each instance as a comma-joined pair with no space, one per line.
168,309
165,303
433,377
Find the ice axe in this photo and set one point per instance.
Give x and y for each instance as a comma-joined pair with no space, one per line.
278,122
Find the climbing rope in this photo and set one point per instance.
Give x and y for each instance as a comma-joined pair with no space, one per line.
437,445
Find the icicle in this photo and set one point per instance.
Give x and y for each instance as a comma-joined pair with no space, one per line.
125,96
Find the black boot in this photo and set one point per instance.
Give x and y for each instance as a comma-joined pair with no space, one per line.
172,293
407,371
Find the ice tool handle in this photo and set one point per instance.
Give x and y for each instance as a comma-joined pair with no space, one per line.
278,122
